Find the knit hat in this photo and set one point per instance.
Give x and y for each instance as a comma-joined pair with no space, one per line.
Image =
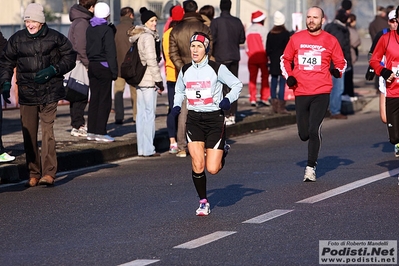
146,14
34,11
177,13
278,18
225,5
258,16
346,4
392,15
101,10
201,37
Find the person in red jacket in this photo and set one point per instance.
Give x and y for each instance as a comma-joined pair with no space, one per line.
388,46
311,52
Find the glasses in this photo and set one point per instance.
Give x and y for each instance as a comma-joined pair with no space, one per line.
393,20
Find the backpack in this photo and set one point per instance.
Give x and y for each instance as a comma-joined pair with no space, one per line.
132,70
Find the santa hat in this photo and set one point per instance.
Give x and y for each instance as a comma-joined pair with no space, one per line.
278,19
258,16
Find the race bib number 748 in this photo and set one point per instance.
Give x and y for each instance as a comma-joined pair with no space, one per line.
309,60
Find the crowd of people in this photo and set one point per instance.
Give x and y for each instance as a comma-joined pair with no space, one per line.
201,55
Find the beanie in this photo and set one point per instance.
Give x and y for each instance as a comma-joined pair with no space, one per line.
279,18
146,15
177,13
346,4
101,10
34,11
392,15
225,5
201,37
258,16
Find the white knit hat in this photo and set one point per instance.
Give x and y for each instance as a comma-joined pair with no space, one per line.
279,18
34,11
101,10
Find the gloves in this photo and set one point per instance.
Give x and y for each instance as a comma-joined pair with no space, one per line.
335,73
370,73
225,104
291,81
175,111
159,84
45,75
6,91
386,73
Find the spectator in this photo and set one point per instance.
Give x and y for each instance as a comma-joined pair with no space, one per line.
41,57
80,15
256,36
207,13
228,33
339,29
122,46
103,69
379,22
276,41
354,40
311,80
146,37
347,6
180,55
171,76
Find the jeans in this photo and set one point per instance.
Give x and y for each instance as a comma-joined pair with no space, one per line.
281,88
145,122
335,95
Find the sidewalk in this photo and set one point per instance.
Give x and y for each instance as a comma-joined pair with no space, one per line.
74,152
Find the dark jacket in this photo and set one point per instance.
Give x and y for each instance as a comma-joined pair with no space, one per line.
341,32
80,18
227,33
3,42
275,45
377,25
100,46
122,40
179,40
30,55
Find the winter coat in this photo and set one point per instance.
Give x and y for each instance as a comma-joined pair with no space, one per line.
341,32
179,40
355,42
31,54
148,56
80,18
122,40
275,45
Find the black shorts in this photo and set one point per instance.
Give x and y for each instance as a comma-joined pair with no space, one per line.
392,111
207,127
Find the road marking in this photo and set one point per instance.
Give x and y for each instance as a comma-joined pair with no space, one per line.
139,263
267,216
205,239
348,187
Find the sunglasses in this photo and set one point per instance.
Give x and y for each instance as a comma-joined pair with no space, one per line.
393,20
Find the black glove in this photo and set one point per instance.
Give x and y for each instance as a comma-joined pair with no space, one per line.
370,74
45,75
6,91
160,86
225,104
175,111
291,81
386,73
335,73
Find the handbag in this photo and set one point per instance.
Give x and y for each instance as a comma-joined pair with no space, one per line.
77,84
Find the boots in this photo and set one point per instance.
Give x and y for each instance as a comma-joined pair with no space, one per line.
281,107
275,105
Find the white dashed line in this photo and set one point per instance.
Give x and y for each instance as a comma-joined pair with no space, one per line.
139,263
267,216
205,239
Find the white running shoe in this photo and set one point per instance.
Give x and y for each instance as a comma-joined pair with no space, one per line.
5,158
104,138
91,136
231,120
204,208
78,132
310,174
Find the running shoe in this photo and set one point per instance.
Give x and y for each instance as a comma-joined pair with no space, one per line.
225,152
204,208
104,138
181,154
397,150
91,136
81,132
310,174
5,158
173,149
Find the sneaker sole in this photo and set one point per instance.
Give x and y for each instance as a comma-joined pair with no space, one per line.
309,180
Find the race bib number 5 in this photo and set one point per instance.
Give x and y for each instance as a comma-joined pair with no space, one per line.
309,60
199,92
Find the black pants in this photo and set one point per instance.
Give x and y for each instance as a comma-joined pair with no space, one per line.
233,67
349,88
392,110
310,112
100,79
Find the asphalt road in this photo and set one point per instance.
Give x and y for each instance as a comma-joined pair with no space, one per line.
141,211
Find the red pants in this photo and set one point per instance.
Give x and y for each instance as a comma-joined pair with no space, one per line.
253,74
